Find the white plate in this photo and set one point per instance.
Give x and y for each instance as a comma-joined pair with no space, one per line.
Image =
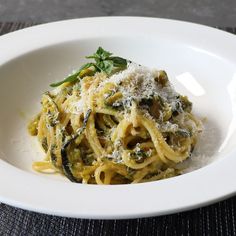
201,63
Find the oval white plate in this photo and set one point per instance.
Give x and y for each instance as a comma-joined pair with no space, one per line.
200,62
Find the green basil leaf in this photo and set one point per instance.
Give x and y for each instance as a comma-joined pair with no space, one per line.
105,66
103,54
73,77
118,61
70,78
86,66
108,66
100,55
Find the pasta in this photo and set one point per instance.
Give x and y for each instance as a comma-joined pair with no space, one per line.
129,126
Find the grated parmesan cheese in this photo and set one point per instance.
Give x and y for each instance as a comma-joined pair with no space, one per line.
75,107
168,127
138,82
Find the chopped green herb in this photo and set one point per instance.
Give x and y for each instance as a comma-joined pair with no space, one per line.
73,77
183,133
100,54
44,144
66,165
138,154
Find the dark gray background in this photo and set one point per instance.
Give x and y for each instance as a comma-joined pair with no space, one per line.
209,12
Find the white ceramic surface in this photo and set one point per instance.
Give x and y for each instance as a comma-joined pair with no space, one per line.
200,62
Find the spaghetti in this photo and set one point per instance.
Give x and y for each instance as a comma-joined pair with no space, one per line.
129,126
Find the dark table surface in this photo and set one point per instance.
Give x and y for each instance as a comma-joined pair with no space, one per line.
209,12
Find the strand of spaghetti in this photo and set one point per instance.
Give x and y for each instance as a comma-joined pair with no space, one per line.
100,121
120,169
113,98
65,119
108,111
192,117
51,143
59,144
108,121
185,145
141,132
140,175
75,121
147,145
120,130
59,138
108,174
132,164
90,130
92,137
41,127
133,115
169,172
106,89
98,172
60,100
48,155
175,156
87,172
156,137
44,166
159,142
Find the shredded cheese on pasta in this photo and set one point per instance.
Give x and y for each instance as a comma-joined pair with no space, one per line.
129,127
